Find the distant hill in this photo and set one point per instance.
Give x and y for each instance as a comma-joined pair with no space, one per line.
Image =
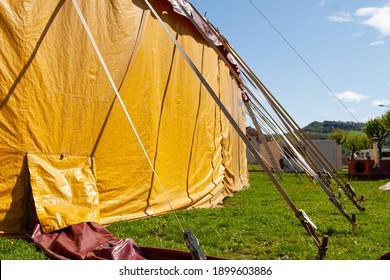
321,130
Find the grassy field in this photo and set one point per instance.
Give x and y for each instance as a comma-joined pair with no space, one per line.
257,224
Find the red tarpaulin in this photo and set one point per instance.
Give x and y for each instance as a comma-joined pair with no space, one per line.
90,241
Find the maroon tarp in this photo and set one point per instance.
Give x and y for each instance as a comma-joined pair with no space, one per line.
90,241
85,241
386,257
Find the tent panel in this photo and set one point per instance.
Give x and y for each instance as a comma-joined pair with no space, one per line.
179,126
13,49
12,190
10,111
64,123
231,143
178,121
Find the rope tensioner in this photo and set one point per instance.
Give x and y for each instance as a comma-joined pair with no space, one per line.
193,245
311,228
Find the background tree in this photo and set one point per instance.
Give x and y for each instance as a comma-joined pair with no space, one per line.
356,142
386,123
386,120
376,128
339,135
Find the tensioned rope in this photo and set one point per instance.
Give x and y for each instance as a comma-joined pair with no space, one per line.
109,76
302,59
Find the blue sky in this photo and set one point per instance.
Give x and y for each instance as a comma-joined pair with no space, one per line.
346,42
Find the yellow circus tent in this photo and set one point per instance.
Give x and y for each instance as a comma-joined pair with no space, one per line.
68,152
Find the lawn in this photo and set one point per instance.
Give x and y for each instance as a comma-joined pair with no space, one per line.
257,224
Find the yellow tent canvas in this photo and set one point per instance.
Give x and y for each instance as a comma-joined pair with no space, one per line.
67,151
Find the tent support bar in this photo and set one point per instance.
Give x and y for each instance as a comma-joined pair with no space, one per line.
298,213
351,194
263,140
308,143
290,123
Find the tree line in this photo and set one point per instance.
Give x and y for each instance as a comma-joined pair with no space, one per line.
376,129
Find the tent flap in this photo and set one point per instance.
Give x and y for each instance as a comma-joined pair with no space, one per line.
64,190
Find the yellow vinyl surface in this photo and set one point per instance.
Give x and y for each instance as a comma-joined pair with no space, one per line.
65,142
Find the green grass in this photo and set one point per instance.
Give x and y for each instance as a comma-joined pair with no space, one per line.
257,224
17,249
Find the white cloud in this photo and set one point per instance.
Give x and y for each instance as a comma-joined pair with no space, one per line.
322,3
368,118
377,43
377,102
342,16
350,96
378,18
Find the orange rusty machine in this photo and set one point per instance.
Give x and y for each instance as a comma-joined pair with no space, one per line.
367,169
